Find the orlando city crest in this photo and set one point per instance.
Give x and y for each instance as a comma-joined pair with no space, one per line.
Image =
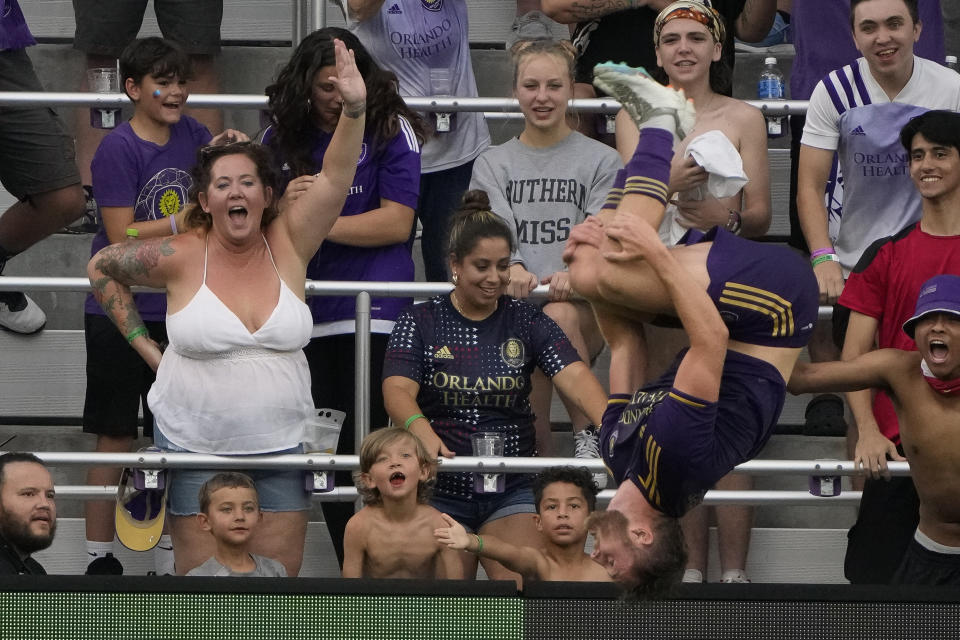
512,352
432,5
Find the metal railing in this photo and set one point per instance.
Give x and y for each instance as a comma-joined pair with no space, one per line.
325,462
491,107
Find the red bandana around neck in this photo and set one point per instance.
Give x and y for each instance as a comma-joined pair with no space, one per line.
943,387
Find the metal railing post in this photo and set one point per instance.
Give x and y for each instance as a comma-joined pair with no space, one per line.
361,354
299,18
318,16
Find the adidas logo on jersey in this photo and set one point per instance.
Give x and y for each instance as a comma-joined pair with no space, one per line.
858,132
395,10
443,353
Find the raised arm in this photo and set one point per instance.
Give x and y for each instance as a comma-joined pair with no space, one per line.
526,561
310,217
754,22
114,269
361,10
573,11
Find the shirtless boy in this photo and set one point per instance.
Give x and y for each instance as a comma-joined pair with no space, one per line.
565,496
924,386
392,536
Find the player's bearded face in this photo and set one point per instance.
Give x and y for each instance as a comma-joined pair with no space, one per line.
612,548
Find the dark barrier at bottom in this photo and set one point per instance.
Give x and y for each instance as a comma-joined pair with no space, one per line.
108,607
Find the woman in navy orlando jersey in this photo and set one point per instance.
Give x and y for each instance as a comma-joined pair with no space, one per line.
461,363
369,240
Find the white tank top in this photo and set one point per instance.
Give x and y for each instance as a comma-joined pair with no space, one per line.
222,389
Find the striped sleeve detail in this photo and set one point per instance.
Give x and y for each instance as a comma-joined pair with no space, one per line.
409,134
613,199
861,86
846,88
646,186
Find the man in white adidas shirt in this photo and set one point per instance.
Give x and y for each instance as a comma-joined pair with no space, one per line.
858,111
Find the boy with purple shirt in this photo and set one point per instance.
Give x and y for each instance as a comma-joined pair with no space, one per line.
141,176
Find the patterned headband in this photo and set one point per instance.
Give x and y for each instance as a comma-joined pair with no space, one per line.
699,10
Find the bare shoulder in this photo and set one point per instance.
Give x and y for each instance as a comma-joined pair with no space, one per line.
361,520
901,366
742,114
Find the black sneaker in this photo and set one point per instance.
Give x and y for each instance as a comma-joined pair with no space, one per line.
89,222
824,416
105,566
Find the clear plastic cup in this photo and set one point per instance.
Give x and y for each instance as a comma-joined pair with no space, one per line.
321,437
441,85
104,80
488,444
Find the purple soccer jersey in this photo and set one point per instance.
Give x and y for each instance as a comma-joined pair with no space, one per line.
674,447
390,172
475,376
153,179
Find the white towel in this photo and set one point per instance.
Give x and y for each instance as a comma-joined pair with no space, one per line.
725,177
714,152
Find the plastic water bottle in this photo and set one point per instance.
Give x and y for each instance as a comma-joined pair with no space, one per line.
951,62
770,87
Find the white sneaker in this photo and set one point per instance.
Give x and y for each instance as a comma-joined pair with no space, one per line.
586,445
20,314
734,576
693,576
532,25
643,97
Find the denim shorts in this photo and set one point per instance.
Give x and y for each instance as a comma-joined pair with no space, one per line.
277,490
473,514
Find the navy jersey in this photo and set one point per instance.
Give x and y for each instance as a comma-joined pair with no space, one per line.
475,376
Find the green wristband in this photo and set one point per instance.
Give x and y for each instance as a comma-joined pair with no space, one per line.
827,257
411,419
479,543
136,333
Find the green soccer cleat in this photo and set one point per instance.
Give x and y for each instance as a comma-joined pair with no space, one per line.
643,97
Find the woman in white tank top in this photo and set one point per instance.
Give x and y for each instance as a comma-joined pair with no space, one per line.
234,379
